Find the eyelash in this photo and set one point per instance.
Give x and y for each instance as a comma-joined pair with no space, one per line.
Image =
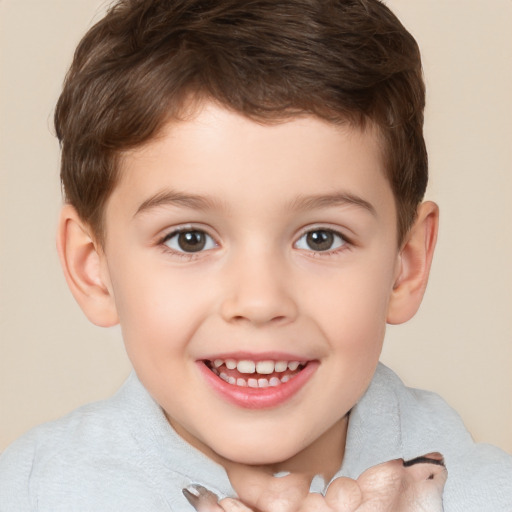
190,256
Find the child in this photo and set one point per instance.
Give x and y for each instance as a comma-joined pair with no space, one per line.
243,195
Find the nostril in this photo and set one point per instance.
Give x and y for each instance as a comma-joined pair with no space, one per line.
259,314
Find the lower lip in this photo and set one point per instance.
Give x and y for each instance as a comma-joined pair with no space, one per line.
259,398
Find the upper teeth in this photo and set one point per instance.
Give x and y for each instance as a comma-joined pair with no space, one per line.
264,367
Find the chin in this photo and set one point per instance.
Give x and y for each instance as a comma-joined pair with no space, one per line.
257,455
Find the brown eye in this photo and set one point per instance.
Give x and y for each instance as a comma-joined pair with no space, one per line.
189,241
320,240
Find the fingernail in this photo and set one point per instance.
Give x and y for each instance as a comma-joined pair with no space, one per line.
192,495
197,494
281,474
431,458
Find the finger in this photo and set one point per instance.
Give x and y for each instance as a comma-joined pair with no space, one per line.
284,494
232,505
412,486
423,496
382,479
381,487
426,477
427,467
431,458
343,495
266,493
315,502
201,498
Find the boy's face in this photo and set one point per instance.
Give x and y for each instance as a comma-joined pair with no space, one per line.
228,240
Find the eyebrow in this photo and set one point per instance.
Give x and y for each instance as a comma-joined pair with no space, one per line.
175,198
335,199
197,202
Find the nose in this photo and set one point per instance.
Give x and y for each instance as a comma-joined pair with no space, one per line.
259,291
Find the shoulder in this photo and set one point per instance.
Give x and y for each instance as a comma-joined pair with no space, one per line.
479,475
88,453
89,426
424,417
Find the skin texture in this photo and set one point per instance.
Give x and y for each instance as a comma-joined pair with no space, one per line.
257,288
389,487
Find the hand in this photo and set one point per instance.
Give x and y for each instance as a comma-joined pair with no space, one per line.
397,486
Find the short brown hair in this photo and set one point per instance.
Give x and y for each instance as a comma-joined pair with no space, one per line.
341,60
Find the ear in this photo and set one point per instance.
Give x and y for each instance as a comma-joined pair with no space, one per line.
414,263
85,268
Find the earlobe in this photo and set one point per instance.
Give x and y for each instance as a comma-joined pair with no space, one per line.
85,269
415,259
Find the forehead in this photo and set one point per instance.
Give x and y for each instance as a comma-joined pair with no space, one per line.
235,160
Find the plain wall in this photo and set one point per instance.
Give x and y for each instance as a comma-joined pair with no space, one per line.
459,344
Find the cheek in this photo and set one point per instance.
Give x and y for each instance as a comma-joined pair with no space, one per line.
352,305
159,310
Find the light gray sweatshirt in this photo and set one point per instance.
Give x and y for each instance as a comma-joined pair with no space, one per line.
122,455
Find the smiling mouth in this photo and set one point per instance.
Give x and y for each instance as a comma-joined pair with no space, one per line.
255,374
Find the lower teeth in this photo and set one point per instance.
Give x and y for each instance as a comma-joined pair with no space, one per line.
252,382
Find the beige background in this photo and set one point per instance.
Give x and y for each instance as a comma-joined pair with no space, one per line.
460,344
